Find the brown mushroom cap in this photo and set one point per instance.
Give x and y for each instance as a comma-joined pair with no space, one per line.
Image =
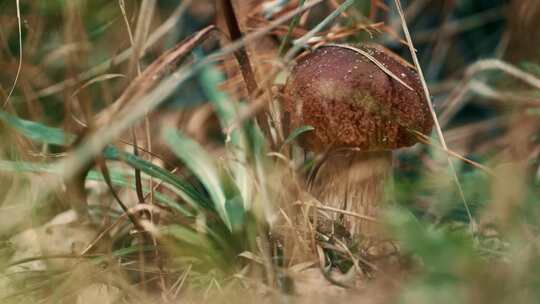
352,103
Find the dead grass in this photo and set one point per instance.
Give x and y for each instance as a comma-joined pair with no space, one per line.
105,195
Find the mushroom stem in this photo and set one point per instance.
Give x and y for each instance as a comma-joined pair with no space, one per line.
355,182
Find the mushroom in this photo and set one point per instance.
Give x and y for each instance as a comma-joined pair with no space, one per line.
363,102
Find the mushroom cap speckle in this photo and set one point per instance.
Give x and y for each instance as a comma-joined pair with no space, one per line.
353,103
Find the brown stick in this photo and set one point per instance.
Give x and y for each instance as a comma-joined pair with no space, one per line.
241,54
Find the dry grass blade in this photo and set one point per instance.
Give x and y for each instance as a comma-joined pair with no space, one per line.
485,90
143,26
97,79
159,33
495,64
107,177
19,66
457,96
150,76
144,19
119,220
434,115
426,140
336,210
122,5
300,42
375,61
177,286
101,235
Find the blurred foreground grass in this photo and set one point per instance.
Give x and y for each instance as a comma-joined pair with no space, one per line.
219,210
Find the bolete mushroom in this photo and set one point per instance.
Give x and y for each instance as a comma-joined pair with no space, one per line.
363,102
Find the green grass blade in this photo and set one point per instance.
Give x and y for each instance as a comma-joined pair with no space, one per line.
183,189
118,179
297,132
287,38
49,135
237,145
202,165
36,131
